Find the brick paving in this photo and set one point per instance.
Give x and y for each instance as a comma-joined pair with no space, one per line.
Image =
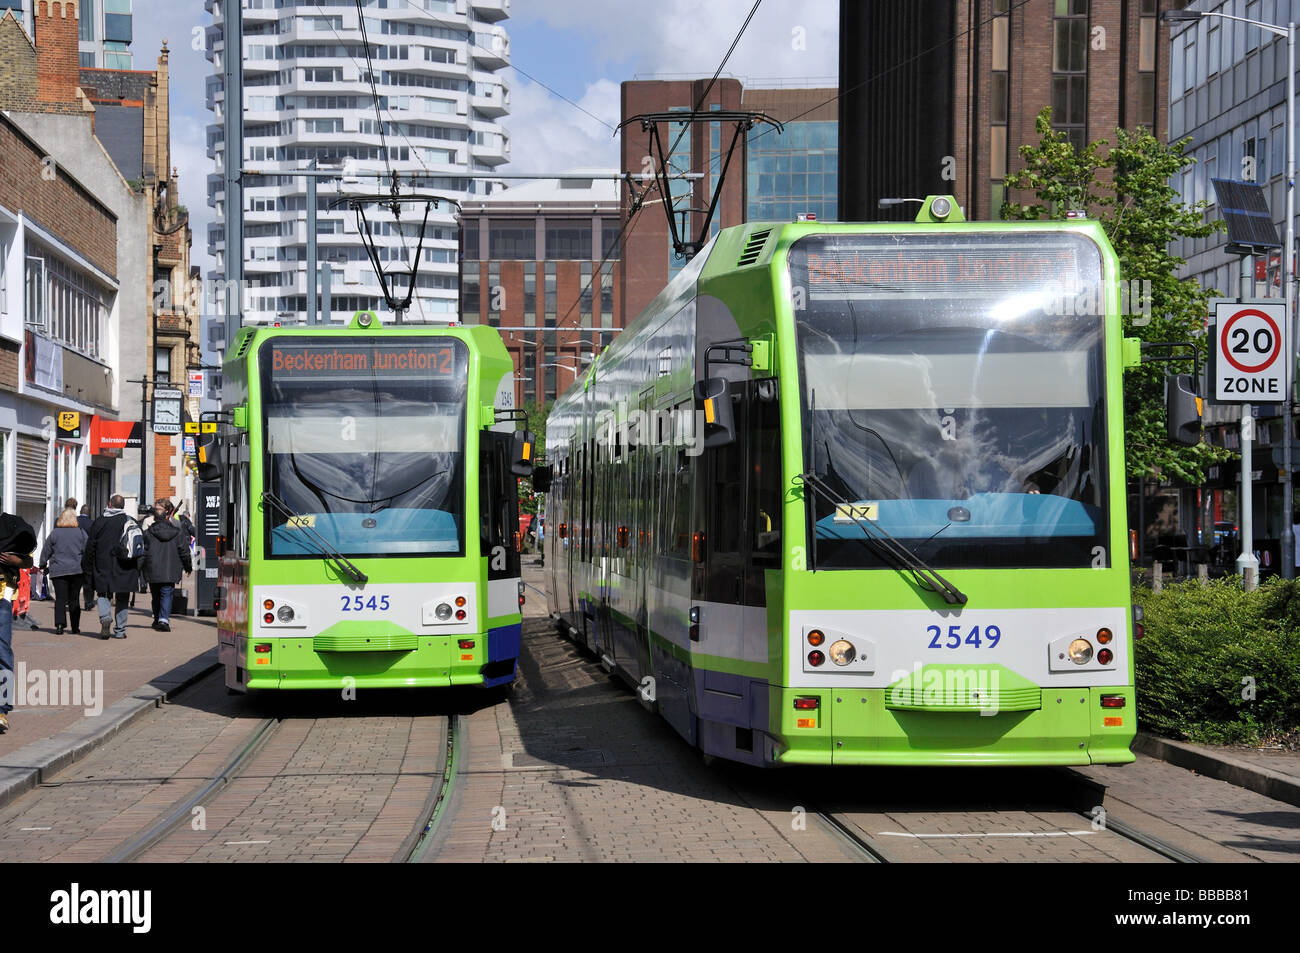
321,789
90,808
574,769
125,664
1234,818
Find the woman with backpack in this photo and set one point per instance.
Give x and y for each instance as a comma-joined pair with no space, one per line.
61,561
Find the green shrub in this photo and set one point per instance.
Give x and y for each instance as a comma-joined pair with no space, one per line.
1208,646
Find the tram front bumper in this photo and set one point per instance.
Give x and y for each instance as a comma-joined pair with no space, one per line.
1068,727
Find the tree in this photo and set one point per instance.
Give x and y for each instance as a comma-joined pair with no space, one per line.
1142,214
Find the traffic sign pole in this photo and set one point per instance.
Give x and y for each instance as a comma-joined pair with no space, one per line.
1247,562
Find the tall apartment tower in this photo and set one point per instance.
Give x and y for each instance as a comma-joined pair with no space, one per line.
308,99
104,28
939,95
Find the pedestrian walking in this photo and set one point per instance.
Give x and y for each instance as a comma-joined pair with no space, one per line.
17,540
88,586
113,552
85,522
61,561
167,555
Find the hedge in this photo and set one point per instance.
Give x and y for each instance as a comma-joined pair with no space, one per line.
1208,650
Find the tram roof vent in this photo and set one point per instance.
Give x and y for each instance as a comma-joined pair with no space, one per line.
244,341
753,248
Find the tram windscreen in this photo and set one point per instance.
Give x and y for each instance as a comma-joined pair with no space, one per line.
953,387
364,442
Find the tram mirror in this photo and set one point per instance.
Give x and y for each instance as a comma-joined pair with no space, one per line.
541,479
209,455
522,454
1183,409
714,396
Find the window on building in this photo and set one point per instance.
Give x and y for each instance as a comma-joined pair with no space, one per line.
609,230
530,293
568,239
512,240
1069,66
470,296
469,239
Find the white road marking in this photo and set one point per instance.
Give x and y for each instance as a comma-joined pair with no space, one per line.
241,843
992,834
36,828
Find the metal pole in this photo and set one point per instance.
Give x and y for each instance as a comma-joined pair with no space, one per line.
144,438
1247,563
326,293
311,248
1288,276
233,86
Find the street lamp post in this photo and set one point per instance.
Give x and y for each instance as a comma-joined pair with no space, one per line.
1288,267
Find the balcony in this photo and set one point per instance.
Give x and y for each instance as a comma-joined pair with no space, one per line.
491,100
490,50
491,10
493,150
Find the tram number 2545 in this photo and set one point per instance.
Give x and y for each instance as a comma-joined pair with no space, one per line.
362,604
953,638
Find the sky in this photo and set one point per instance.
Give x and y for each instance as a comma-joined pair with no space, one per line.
576,50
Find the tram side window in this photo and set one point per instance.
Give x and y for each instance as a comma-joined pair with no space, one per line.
681,482
765,431
497,499
727,504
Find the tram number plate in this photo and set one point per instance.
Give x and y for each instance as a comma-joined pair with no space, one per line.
958,635
365,603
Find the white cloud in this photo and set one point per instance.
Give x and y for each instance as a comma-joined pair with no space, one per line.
784,39
550,135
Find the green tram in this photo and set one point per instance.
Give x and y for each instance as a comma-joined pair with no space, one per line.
854,494
369,485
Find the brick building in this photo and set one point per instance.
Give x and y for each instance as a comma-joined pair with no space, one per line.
939,95
80,309
532,266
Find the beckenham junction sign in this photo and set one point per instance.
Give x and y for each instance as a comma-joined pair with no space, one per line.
1250,341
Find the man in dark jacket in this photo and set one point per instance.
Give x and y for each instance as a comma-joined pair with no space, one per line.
167,553
114,576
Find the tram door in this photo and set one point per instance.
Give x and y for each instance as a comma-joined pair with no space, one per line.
643,502
722,518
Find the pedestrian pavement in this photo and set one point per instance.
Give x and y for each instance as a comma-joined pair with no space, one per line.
73,692
1273,772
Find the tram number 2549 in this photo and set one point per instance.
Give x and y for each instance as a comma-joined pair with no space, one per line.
953,639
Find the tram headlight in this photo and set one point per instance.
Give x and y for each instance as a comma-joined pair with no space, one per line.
285,614
443,612
1080,651
941,207
843,652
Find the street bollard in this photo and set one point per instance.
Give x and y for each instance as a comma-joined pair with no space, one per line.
1157,576
1203,574
1249,580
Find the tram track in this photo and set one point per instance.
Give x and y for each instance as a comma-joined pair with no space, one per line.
138,846
949,831
436,809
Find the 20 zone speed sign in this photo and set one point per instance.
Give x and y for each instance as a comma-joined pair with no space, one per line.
1251,344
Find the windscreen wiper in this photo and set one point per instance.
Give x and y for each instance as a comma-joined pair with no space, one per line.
928,577
340,562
